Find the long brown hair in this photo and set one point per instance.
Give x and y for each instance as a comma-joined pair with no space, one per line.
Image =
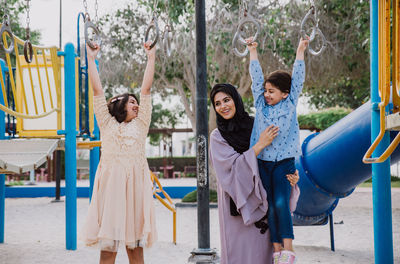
116,106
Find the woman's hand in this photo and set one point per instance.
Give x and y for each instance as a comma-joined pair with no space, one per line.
92,53
151,53
266,137
293,178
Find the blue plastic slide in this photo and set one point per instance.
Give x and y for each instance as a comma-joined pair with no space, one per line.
331,166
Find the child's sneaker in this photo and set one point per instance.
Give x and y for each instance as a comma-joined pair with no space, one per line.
275,257
287,257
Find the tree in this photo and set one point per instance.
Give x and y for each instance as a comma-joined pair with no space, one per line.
17,9
341,71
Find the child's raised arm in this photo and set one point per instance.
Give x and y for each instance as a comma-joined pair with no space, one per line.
92,69
149,72
256,74
252,47
301,48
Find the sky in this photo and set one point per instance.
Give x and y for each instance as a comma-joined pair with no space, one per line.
45,16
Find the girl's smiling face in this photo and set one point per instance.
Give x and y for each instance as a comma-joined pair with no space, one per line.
132,109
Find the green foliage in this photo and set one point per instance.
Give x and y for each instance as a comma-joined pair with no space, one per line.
323,119
350,87
192,197
163,118
16,10
15,183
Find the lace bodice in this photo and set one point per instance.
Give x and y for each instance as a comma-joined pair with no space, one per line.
123,140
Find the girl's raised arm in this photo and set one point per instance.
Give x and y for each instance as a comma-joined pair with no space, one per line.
92,70
149,72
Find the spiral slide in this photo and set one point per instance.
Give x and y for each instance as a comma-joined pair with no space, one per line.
331,166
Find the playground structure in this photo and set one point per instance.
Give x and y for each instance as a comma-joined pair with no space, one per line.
323,182
332,162
48,103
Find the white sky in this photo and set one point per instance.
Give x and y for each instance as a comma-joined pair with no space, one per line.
45,16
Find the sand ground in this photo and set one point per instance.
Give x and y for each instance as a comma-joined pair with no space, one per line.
35,233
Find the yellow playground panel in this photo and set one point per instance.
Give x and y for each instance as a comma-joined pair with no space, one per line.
386,88
38,91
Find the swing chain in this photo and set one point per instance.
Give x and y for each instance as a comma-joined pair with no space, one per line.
28,20
85,6
96,7
6,18
312,15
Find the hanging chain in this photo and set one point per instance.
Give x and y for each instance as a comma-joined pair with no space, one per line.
6,18
168,19
155,7
96,7
85,6
28,19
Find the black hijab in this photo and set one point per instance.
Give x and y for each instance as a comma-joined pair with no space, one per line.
237,130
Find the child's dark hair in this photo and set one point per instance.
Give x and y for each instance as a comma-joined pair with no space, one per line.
116,106
280,79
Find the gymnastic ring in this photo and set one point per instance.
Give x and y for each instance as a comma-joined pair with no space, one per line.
247,20
167,40
317,31
153,24
28,51
6,28
90,24
308,16
235,49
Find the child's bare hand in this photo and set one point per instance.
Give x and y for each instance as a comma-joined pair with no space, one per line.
151,53
251,45
303,44
92,53
293,178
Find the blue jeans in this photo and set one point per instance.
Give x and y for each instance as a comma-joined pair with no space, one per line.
273,176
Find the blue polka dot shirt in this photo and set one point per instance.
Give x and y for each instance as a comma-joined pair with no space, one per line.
283,115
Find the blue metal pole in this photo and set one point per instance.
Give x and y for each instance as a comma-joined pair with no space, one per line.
2,176
95,152
70,145
381,189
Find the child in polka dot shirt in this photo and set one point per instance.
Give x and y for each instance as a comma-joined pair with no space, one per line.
275,100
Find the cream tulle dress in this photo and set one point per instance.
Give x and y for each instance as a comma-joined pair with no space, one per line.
122,209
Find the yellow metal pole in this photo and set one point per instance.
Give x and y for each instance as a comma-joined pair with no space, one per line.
47,76
396,48
8,59
3,88
20,84
39,77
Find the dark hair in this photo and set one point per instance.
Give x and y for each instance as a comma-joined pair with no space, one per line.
116,106
280,79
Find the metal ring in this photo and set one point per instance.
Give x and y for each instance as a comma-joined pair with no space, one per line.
317,31
28,51
153,24
6,28
235,49
303,23
247,20
90,24
167,40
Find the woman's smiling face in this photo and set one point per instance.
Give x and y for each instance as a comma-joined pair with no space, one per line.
224,105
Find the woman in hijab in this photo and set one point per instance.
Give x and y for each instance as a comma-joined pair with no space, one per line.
242,200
